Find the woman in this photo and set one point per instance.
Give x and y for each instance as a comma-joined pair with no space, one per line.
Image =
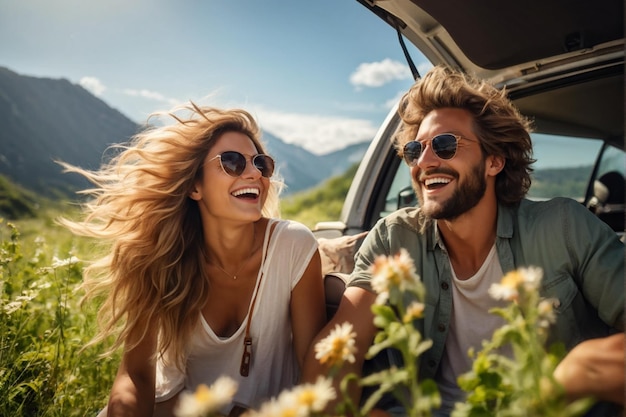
199,278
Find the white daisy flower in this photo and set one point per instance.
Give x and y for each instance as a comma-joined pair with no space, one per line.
315,397
396,271
526,279
286,405
58,263
338,347
206,400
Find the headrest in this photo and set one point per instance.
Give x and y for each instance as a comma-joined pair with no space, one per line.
609,188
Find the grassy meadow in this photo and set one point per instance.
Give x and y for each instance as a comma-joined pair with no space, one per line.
46,366
44,370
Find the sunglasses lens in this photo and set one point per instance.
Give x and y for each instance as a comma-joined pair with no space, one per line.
265,164
444,146
233,163
412,151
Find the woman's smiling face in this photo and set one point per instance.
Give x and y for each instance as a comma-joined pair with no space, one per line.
221,195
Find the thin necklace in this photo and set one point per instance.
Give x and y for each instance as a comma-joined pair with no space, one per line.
245,261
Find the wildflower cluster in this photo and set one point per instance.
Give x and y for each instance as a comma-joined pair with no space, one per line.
506,386
523,385
305,400
400,302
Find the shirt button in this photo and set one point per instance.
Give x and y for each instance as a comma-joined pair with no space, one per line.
431,363
444,285
441,327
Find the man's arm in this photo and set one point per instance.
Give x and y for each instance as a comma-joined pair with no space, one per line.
595,368
354,308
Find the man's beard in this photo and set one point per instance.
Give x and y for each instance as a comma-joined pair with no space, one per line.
466,196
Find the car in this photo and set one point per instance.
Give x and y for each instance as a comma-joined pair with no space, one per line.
562,64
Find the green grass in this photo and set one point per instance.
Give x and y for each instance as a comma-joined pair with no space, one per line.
43,369
322,203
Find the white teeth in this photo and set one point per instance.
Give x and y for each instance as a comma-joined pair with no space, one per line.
254,191
431,181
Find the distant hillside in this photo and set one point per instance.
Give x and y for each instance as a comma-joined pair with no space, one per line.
302,169
15,202
323,202
568,182
45,119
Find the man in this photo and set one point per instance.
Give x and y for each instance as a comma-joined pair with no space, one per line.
470,152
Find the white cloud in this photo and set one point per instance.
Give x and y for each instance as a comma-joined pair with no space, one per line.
317,134
377,74
93,85
152,95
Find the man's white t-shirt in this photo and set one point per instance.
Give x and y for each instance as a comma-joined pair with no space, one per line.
471,323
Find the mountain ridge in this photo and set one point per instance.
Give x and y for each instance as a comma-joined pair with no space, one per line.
48,119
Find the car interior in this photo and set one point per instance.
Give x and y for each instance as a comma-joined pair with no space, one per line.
561,62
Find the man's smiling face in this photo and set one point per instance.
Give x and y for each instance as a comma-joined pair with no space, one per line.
448,188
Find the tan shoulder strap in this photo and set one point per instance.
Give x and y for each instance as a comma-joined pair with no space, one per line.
246,358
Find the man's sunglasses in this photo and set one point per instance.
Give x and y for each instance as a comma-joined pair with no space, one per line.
234,164
444,146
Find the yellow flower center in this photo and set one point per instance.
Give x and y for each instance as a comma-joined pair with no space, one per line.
307,398
203,394
512,280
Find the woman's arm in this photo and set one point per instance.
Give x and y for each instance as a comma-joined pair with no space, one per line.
308,308
132,393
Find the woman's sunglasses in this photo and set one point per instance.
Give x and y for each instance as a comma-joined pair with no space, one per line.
444,146
234,164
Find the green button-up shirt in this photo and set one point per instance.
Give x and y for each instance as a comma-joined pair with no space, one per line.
581,257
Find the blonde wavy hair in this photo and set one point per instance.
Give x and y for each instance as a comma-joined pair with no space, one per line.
140,209
498,124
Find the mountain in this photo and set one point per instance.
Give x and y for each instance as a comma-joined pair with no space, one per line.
47,119
44,120
302,169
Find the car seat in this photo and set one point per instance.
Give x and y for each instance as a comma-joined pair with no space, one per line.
608,199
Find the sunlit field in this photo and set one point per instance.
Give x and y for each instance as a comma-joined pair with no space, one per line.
44,370
46,365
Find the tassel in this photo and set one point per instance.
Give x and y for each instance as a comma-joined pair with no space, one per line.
244,369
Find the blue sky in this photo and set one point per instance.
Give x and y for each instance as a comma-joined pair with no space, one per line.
322,74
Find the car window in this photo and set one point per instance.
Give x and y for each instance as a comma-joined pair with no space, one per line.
613,159
400,192
564,166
